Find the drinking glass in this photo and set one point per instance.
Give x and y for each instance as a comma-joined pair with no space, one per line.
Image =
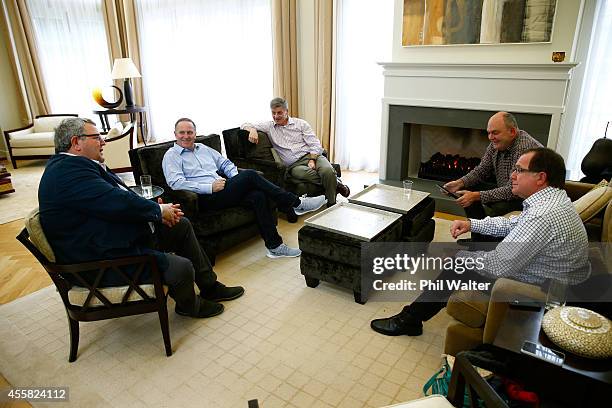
556,295
146,186
407,187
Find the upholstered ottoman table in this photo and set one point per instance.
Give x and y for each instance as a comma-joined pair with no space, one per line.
331,240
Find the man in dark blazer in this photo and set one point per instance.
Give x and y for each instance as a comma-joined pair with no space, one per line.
87,214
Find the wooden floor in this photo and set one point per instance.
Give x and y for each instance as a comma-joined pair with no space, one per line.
20,272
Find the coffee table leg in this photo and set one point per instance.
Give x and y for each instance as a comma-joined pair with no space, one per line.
311,282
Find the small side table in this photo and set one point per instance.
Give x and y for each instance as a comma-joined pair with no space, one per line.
6,186
141,111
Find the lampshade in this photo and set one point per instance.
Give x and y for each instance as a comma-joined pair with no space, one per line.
124,68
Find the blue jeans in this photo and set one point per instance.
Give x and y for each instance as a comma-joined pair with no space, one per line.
250,189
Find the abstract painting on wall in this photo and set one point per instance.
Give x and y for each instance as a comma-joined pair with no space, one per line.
444,22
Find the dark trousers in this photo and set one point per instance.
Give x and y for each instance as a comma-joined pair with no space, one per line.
430,302
249,189
189,262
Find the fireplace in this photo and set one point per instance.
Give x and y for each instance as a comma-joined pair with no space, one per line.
457,95
447,167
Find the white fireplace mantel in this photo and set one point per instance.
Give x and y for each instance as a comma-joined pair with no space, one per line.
529,88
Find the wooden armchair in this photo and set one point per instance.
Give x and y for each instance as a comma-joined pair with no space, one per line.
88,301
117,147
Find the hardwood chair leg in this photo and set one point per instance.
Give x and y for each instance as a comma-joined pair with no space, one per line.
74,339
163,322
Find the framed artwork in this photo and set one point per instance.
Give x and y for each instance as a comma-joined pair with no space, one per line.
446,22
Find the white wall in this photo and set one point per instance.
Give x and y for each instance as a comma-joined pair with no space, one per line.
564,30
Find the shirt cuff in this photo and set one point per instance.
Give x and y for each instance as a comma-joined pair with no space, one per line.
476,225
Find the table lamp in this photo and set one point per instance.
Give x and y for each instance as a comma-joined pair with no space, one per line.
124,68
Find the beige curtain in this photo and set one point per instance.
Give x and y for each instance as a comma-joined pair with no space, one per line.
24,58
284,44
122,33
324,39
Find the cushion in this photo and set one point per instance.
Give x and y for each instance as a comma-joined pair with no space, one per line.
37,236
261,150
469,307
47,123
115,131
593,202
77,294
42,139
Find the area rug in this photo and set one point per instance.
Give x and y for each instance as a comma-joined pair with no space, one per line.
282,343
25,180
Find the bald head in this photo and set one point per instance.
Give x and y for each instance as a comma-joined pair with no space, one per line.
502,129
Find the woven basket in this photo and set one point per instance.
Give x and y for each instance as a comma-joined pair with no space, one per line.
579,331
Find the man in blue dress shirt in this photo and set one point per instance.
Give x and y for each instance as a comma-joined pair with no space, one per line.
194,167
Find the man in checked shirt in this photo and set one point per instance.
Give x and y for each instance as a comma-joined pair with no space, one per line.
507,144
546,242
299,149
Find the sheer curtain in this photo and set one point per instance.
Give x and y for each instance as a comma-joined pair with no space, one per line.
73,52
364,37
595,106
207,60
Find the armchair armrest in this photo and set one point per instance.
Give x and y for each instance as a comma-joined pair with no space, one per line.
19,132
576,189
503,291
187,199
277,159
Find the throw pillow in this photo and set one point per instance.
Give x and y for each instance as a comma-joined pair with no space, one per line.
590,204
116,130
37,235
261,150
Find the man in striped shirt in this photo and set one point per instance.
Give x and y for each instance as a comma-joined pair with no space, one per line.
546,242
299,149
479,198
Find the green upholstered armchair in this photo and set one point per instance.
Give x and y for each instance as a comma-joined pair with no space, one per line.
216,230
263,157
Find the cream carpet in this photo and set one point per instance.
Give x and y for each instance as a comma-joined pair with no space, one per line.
25,180
282,343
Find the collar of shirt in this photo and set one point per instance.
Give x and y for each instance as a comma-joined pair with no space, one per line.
538,196
180,149
290,121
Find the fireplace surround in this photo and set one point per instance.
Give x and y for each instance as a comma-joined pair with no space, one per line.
464,96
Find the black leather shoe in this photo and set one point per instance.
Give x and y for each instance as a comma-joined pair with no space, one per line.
206,308
219,292
400,324
291,216
343,190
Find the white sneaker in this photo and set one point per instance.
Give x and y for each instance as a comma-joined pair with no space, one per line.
283,251
308,204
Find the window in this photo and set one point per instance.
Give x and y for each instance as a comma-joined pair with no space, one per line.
359,80
594,107
207,60
73,51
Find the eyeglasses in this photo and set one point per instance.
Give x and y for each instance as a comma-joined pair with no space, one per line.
95,136
185,132
519,170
